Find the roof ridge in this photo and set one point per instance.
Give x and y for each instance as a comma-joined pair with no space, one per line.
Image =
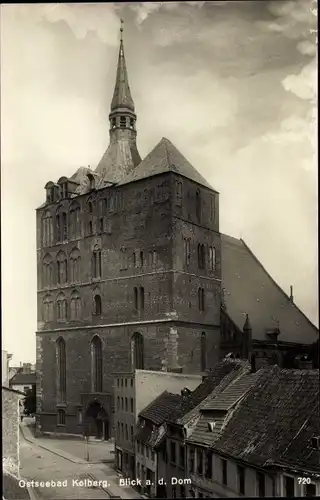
277,285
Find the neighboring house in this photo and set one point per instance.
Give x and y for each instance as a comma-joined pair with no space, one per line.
259,437
150,431
133,392
5,367
23,381
10,428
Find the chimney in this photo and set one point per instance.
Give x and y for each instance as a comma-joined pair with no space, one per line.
291,294
246,338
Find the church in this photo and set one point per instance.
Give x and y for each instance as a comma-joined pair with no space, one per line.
133,273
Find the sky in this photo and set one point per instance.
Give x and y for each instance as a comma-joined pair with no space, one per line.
231,84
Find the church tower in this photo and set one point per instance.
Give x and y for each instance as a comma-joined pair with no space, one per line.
122,154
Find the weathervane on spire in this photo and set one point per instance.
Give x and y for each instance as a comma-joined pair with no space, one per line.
121,28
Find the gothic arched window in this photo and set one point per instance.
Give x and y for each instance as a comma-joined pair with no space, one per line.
74,219
62,307
61,224
212,258
201,256
137,351
96,366
75,261
61,369
96,262
201,299
62,268
203,352
75,306
47,308
47,270
135,298
47,229
97,305
198,206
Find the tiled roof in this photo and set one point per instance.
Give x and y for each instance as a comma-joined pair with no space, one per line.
231,395
122,96
275,421
11,490
201,433
23,379
248,288
165,157
120,158
188,405
160,409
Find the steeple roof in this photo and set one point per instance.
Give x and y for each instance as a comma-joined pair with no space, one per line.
122,96
165,157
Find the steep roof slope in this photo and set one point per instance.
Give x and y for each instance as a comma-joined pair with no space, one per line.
248,288
165,157
159,410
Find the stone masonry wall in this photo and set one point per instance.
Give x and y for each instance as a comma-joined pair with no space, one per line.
10,430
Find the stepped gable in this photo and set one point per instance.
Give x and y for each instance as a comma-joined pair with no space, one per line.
165,157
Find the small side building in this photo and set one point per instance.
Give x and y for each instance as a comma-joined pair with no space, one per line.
10,429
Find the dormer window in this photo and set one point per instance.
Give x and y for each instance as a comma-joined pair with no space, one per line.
123,121
91,182
63,190
50,195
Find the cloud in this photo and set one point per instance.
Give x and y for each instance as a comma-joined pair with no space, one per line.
304,84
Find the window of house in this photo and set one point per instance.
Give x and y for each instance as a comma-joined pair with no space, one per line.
134,259
181,455
96,263
126,404
173,452
241,479
208,471
141,290
97,305
191,460
131,405
122,404
212,258
224,465
122,430
174,491
261,486
309,490
118,430
122,382
199,462
118,403
288,486
90,227
61,417
101,225
127,433
131,432
122,121
132,382
80,416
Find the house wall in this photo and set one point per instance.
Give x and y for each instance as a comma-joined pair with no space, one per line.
124,418
5,357
18,387
10,430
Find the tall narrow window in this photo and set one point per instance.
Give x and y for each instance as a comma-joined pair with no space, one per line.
96,263
62,307
48,308
261,485
134,259
141,291
74,220
203,354
187,251
137,351
135,298
201,256
212,258
90,227
96,352
208,466
198,206
241,479
101,225
97,305
47,271
47,229
224,465
75,306
201,299
61,369
61,417
141,258
75,261
62,268
58,228
64,235
90,207
199,462
123,258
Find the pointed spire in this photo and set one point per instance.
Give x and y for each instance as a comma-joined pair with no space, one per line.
122,96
